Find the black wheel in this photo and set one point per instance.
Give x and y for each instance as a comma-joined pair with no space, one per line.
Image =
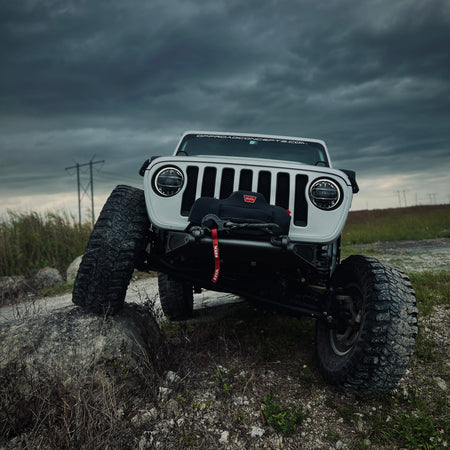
369,350
115,247
177,298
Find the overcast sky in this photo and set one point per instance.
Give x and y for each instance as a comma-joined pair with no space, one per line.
119,81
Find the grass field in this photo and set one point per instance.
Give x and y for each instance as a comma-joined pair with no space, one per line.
414,223
29,242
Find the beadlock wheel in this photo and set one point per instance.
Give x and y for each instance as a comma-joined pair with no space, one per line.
343,338
369,350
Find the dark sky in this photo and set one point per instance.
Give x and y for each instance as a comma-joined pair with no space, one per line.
120,81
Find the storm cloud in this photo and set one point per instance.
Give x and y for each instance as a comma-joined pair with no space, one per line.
120,81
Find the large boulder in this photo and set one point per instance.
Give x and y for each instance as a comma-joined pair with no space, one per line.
69,365
69,339
47,278
12,286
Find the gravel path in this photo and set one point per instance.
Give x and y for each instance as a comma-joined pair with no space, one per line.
140,291
412,256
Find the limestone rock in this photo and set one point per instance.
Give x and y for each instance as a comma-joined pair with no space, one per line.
256,432
172,408
69,343
12,286
48,277
72,270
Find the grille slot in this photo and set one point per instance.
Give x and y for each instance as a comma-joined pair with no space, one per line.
300,204
280,188
282,192
227,183
209,181
264,180
189,193
245,181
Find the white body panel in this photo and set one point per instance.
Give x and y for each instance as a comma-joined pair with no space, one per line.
322,226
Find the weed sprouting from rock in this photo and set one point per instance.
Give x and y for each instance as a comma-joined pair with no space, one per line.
281,419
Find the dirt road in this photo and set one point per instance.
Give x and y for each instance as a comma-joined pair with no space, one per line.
140,291
412,256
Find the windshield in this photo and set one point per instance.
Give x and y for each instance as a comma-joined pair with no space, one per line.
304,152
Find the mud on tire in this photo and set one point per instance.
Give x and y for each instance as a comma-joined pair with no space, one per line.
115,247
177,298
370,351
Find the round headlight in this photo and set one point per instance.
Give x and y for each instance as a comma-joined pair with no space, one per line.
325,194
168,181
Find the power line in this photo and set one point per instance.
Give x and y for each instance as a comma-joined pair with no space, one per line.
91,182
116,176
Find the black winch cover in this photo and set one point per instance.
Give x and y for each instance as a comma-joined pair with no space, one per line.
242,207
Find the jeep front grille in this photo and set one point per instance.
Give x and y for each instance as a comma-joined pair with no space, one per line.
282,188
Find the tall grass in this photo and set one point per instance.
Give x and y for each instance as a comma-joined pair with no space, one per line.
418,222
432,288
31,241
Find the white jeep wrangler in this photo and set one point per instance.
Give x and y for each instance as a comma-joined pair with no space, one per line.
259,216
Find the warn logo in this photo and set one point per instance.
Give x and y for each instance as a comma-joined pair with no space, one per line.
249,198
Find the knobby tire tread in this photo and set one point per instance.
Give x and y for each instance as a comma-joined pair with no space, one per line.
387,335
176,297
117,242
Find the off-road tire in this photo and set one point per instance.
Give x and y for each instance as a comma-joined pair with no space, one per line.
115,247
371,356
177,297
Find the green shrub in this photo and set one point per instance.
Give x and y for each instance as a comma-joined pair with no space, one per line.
283,420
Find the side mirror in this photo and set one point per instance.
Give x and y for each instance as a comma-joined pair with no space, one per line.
351,174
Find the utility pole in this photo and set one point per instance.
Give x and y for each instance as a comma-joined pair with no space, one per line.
92,192
432,198
399,199
79,186
79,198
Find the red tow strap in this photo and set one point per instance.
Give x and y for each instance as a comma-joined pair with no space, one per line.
215,242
